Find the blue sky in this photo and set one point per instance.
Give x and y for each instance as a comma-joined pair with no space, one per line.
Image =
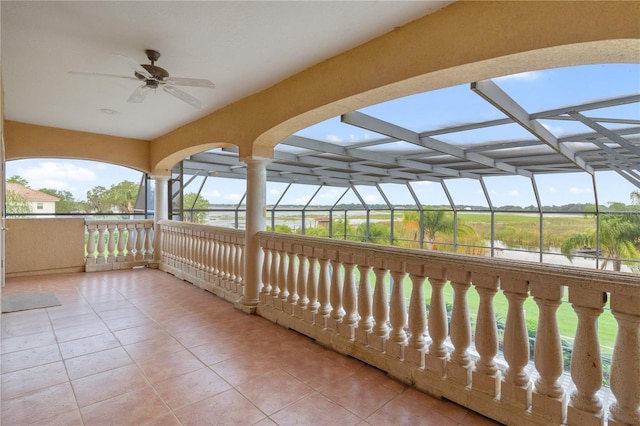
535,91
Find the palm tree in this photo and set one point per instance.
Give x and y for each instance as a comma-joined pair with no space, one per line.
618,237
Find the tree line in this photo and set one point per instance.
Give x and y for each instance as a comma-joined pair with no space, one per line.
118,198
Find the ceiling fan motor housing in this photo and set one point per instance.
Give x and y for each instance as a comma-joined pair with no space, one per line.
159,74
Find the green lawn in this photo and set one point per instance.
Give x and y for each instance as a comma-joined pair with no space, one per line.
567,319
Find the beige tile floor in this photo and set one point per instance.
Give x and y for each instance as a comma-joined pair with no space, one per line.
141,347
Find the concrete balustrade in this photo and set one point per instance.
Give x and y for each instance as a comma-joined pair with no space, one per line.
209,257
118,244
351,297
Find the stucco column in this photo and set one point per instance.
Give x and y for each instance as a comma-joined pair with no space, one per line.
160,212
255,222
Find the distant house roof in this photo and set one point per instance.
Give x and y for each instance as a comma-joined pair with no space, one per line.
30,194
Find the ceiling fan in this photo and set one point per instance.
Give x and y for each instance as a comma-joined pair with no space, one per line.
153,77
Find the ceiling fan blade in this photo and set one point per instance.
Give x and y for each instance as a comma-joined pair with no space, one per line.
139,94
136,66
97,74
183,96
193,82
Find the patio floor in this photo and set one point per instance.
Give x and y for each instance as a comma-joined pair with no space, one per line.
142,347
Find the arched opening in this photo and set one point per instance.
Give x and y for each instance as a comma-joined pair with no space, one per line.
81,187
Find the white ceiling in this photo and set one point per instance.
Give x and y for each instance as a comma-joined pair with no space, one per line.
242,46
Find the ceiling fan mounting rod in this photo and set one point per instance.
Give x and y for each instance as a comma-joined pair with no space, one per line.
153,55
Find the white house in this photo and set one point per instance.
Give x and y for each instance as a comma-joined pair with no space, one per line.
38,201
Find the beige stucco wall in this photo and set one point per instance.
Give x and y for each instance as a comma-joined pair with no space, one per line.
40,246
33,141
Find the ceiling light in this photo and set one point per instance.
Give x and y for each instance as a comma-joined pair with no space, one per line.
108,111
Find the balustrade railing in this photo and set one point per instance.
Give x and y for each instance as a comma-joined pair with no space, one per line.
207,256
118,244
370,302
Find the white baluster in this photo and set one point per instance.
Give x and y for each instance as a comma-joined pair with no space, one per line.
235,264
192,253
101,244
549,399
416,346
397,311
130,239
335,293
625,365
180,241
585,408
486,376
380,335
347,327
292,281
365,301
203,248
208,257
121,226
459,367
231,272
312,286
303,278
91,243
275,270
515,386
215,247
139,239
148,243
220,260
226,262
111,244
324,283
239,266
164,244
437,356
195,253
282,276
266,272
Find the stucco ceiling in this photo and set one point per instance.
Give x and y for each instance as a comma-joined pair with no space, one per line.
241,46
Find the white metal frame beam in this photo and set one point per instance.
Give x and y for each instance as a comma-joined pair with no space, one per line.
493,94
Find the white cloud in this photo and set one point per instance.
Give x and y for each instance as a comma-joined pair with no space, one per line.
351,137
211,194
303,200
576,190
274,192
333,194
523,76
232,197
60,176
514,193
552,189
372,198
